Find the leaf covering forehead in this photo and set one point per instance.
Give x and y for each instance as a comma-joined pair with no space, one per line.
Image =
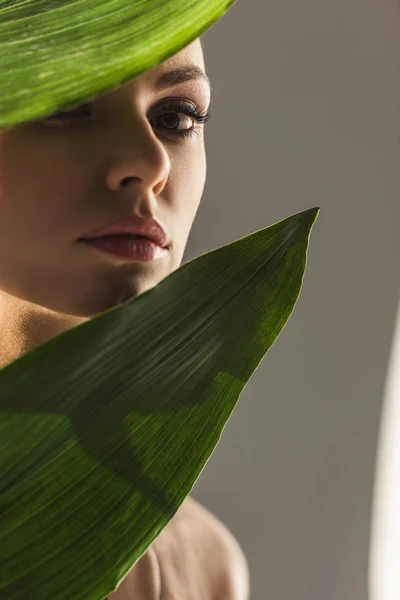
59,53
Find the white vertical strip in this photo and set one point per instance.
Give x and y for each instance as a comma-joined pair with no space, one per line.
384,559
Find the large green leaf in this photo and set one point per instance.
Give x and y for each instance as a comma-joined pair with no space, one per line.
59,53
105,429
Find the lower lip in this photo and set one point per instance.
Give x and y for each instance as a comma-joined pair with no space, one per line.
130,249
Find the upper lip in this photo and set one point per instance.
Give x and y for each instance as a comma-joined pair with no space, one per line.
148,228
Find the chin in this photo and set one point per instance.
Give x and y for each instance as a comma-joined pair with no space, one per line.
96,301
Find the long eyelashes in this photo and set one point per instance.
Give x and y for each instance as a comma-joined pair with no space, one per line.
189,110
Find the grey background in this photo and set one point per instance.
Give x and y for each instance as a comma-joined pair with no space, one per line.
306,113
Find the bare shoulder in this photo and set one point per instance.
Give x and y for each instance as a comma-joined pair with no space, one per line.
208,542
214,531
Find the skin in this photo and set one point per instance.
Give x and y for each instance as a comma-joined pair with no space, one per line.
60,179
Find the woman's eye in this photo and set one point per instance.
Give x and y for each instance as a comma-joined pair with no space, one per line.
176,117
175,122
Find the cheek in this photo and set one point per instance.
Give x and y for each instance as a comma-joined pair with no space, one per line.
41,190
190,176
188,185
186,189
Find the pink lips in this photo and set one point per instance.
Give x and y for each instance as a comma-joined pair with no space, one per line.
146,228
129,249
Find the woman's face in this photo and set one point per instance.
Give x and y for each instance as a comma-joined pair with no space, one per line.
117,156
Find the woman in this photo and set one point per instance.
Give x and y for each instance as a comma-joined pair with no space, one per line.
132,152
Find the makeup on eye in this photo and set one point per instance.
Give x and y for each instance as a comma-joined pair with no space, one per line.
167,108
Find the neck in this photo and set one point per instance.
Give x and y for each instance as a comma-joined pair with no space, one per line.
24,326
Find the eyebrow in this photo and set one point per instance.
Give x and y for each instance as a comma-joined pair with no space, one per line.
176,76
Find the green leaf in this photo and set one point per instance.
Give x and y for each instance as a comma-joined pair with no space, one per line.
55,54
105,429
